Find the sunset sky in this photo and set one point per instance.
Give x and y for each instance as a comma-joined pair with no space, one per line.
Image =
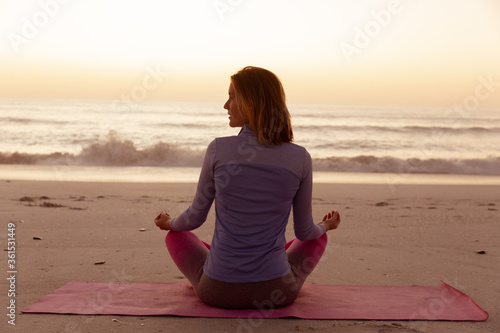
430,53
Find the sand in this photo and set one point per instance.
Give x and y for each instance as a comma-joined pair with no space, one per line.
402,235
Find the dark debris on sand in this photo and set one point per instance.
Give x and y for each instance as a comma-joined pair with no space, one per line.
27,199
51,205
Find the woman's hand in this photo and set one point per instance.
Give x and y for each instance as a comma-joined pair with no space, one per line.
162,221
331,220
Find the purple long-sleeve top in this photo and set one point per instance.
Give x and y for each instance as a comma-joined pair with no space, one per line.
254,187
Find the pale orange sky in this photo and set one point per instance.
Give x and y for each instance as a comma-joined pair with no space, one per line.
365,52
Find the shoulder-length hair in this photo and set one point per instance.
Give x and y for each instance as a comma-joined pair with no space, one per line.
261,99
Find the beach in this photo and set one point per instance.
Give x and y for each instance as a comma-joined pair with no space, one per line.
403,234
109,110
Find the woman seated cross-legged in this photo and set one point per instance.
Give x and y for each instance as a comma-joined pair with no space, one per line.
256,179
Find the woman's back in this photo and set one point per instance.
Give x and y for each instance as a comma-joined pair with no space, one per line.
255,187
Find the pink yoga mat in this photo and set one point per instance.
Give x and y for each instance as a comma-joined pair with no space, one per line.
314,302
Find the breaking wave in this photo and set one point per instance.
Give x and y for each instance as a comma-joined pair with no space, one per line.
115,151
373,164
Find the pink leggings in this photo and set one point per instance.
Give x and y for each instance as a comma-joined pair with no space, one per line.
189,254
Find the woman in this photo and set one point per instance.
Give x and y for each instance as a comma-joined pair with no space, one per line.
255,179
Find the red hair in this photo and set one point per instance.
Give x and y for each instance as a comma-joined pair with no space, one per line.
261,99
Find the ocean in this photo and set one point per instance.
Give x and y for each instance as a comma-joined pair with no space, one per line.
165,141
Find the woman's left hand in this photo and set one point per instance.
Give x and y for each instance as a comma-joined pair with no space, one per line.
162,221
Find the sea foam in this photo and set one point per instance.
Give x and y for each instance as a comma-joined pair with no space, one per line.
115,151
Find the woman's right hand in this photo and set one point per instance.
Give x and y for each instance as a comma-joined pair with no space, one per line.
162,221
331,220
